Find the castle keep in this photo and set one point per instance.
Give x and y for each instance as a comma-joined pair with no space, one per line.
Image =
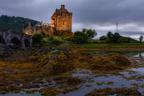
60,24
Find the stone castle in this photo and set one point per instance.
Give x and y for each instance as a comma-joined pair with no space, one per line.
60,24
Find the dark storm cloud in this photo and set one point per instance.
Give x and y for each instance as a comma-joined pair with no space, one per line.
34,9
132,33
86,13
102,11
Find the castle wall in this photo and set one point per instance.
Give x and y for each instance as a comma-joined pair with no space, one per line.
64,23
61,23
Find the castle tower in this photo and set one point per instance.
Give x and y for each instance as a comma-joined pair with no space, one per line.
61,20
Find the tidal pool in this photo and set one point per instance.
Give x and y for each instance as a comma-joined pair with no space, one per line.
107,81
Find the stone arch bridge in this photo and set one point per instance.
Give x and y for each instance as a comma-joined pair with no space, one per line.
9,38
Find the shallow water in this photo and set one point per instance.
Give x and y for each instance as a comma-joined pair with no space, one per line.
135,54
127,79
107,81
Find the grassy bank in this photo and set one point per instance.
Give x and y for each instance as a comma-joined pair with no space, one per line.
111,47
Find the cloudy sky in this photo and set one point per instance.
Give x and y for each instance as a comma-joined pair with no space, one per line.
101,15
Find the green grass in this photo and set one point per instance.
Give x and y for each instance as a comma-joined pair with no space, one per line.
118,45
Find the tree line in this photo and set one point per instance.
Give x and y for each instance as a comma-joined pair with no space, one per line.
82,37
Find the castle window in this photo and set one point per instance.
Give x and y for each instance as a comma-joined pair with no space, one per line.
63,22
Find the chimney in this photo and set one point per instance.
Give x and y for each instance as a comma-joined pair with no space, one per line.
62,6
56,10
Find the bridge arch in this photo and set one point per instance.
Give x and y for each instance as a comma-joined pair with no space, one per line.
27,43
16,42
2,41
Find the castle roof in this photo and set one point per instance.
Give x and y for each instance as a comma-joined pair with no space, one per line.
61,10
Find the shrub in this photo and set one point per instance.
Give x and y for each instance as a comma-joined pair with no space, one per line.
55,40
37,39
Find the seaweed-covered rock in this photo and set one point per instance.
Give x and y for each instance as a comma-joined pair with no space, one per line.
56,61
115,92
107,63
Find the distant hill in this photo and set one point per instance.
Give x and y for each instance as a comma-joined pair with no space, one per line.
122,39
15,24
127,39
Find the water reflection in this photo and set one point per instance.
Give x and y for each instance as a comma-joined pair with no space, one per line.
135,54
139,55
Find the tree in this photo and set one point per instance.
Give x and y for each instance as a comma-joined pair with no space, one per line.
38,38
103,38
91,33
129,39
84,36
79,38
110,37
109,34
141,39
116,37
113,38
